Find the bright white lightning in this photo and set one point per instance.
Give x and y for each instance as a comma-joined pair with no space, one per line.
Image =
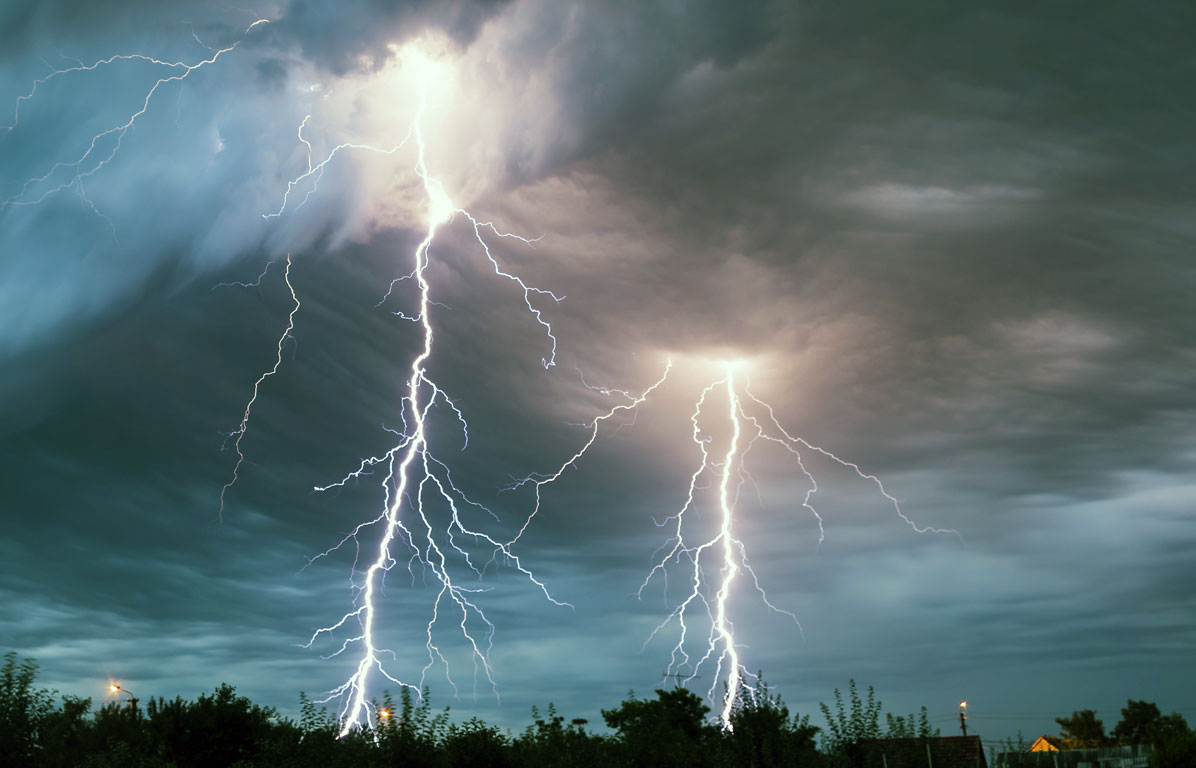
81,67
729,552
730,566
414,478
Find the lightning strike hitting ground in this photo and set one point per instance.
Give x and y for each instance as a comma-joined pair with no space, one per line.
422,507
713,565
414,480
414,477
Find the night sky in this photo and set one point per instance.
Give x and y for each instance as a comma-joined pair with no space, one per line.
954,246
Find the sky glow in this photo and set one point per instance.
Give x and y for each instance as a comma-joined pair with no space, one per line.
798,339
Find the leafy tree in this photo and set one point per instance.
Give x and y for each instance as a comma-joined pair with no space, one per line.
910,727
849,725
313,719
1140,720
1173,725
23,708
119,754
763,734
415,735
549,743
224,729
1175,744
311,742
65,733
670,731
1082,729
474,744
117,734
242,727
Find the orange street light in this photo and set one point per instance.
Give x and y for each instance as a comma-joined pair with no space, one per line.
115,688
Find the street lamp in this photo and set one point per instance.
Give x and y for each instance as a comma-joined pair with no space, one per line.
963,716
115,688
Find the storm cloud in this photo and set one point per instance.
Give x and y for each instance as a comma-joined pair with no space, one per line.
954,244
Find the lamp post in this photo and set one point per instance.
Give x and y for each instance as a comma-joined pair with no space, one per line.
963,716
114,688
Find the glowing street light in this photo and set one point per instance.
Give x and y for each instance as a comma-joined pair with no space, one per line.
115,688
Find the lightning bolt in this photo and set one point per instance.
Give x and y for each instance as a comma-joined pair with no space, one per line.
94,157
415,482
237,434
423,509
713,564
103,147
539,481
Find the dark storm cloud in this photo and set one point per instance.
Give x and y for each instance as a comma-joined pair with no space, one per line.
956,242
975,207
345,37
966,233
221,166
612,66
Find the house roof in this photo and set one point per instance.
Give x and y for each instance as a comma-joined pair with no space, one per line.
1045,744
944,752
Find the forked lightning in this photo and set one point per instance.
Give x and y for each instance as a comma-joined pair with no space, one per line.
714,562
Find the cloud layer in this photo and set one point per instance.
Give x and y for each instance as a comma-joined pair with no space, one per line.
953,243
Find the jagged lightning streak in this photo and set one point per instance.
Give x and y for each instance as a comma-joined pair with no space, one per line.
732,559
404,459
93,158
539,481
414,478
237,434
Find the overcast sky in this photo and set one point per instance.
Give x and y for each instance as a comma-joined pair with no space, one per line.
952,246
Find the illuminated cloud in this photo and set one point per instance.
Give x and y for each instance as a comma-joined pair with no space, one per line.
955,243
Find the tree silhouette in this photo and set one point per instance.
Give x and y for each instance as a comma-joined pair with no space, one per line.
851,724
23,708
668,731
224,730
1140,720
763,733
1082,729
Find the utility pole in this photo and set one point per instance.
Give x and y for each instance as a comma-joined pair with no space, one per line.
679,679
963,716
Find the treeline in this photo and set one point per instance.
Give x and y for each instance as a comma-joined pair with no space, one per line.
673,728
1082,739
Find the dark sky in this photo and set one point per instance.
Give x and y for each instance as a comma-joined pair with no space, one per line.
953,245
